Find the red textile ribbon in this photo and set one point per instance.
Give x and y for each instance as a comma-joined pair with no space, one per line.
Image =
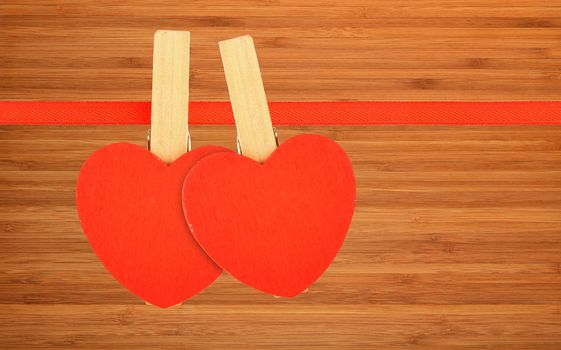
294,113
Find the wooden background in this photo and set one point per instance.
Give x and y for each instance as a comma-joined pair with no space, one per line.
456,241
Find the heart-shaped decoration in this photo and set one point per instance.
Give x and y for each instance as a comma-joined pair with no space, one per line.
274,226
129,204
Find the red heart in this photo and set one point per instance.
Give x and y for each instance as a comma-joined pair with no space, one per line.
276,226
129,204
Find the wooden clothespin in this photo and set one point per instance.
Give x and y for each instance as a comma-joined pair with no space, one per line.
256,136
169,133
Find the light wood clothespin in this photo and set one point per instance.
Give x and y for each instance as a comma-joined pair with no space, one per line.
256,136
169,133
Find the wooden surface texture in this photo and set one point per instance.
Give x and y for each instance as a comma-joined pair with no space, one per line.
456,240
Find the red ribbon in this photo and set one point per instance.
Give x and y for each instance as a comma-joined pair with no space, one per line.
294,113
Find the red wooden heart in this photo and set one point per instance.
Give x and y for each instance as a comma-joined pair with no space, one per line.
129,204
276,226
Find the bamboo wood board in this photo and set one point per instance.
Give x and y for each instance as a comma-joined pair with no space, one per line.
456,240
455,243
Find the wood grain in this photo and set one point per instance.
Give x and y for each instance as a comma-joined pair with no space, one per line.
314,50
456,242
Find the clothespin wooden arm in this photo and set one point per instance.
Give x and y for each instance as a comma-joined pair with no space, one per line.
170,95
247,94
